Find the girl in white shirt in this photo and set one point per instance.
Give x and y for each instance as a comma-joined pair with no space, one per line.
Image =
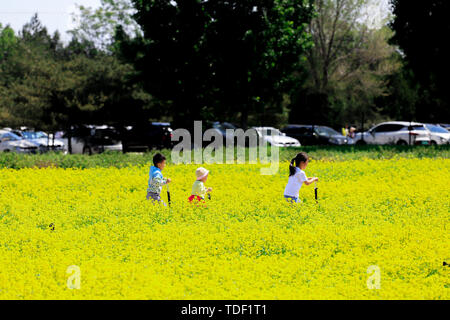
297,177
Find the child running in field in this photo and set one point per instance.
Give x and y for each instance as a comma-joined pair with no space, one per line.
297,177
198,188
156,179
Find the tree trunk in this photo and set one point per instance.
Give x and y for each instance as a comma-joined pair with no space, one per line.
69,140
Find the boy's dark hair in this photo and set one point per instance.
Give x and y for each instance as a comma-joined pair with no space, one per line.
300,157
158,158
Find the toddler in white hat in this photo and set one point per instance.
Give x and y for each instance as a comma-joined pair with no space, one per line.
198,188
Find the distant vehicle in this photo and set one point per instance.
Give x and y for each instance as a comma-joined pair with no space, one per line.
10,142
438,134
395,132
316,135
44,142
144,137
92,139
275,137
222,127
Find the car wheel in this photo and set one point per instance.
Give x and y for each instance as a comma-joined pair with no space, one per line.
433,143
402,143
87,150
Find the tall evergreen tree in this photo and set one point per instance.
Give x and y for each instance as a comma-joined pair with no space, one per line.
420,31
222,58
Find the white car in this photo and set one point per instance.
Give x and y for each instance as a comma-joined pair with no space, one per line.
395,132
276,138
44,142
10,142
439,135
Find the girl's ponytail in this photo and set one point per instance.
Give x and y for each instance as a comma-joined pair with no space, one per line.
292,169
300,157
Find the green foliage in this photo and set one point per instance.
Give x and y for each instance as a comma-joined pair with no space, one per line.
8,41
49,86
420,31
98,26
346,69
403,97
120,160
217,59
255,62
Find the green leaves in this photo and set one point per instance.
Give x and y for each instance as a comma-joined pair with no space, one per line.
49,86
7,42
212,47
99,26
420,32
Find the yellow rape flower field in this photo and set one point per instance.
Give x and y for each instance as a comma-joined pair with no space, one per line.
249,243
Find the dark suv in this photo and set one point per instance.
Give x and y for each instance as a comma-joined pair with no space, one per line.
90,139
144,137
315,135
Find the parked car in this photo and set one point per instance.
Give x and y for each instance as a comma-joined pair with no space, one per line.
395,132
92,139
10,142
275,137
143,137
438,134
316,135
221,128
44,142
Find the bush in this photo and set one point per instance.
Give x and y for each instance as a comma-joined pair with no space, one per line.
120,160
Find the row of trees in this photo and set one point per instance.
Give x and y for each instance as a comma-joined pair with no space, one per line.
250,62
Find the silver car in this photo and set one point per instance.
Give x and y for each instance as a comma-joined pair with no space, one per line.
10,142
395,132
44,142
438,134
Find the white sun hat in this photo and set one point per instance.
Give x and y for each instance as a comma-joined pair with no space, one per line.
201,173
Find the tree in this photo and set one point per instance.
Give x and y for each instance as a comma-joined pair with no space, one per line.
222,58
8,40
8,44
48,86
419,31
25,65
347,66
402,99
98,26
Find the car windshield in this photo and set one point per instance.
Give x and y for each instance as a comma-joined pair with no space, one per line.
34,135
436,129
326,131
269,131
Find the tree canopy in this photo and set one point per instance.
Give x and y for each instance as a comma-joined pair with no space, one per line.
50,86
346,69
420,31
227,58
249,62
